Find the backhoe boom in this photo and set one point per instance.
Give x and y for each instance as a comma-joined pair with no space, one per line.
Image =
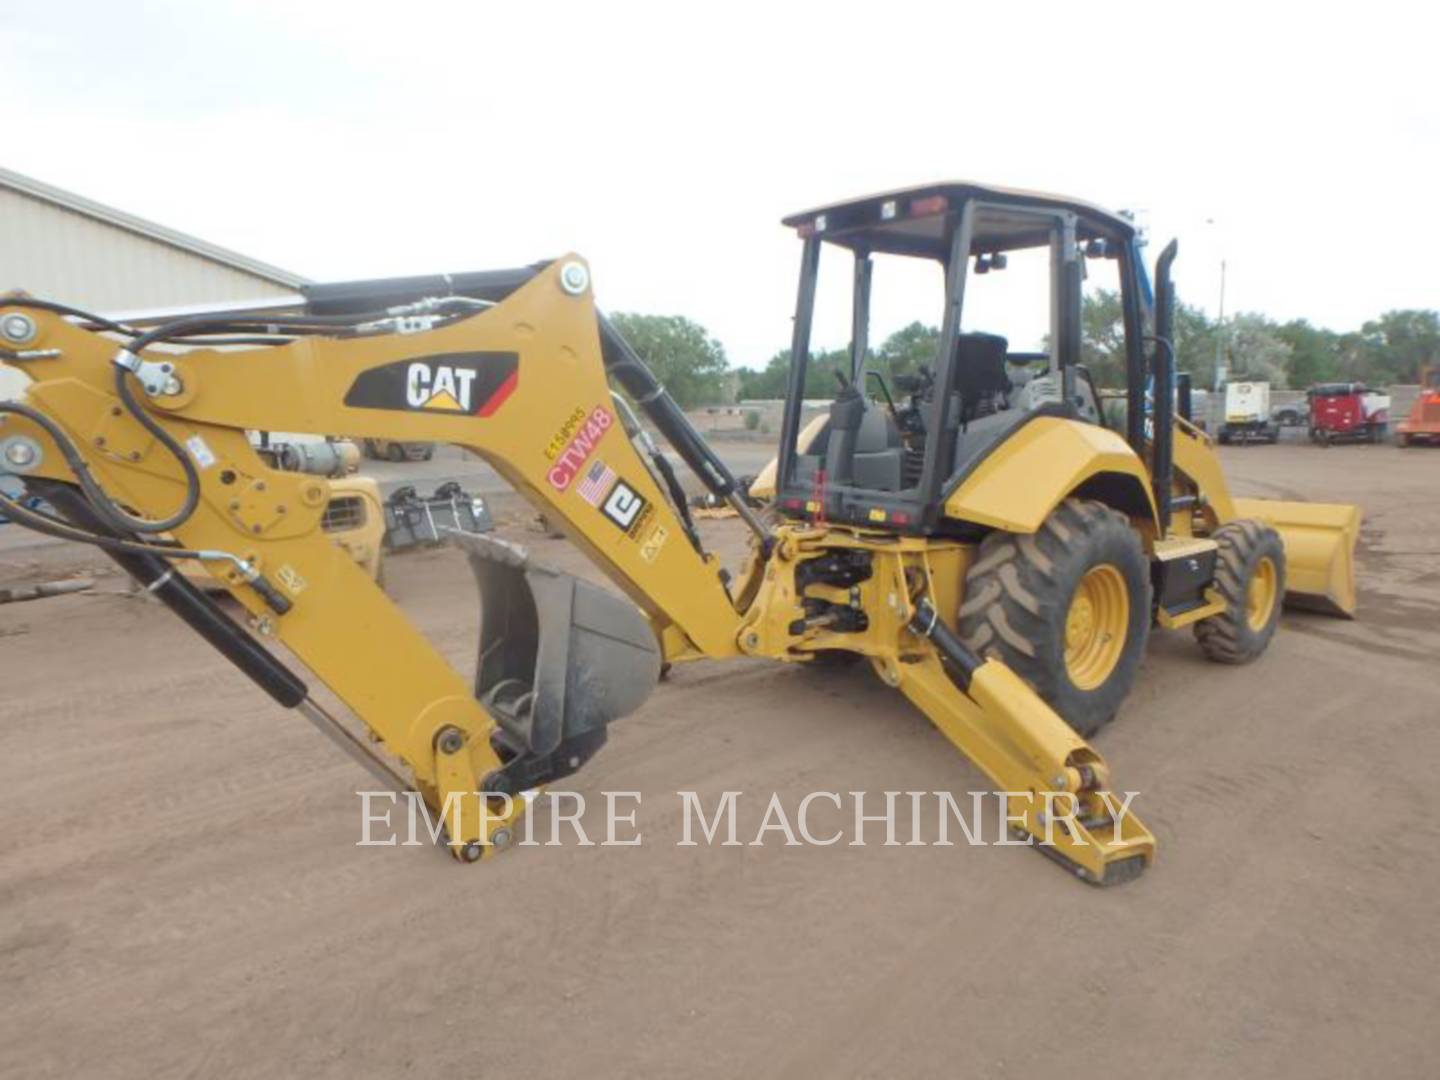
518,372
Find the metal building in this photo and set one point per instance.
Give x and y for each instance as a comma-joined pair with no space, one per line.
65,247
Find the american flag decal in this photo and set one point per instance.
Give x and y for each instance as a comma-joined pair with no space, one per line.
598,479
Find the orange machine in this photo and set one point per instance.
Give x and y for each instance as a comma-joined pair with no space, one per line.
1423,423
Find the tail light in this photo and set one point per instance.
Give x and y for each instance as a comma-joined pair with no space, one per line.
931,204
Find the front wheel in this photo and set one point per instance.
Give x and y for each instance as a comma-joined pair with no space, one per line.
1250,577
1067,609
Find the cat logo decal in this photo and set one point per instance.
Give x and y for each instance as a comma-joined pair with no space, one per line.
464,384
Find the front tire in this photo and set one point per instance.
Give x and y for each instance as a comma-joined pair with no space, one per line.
1068,609
1250,576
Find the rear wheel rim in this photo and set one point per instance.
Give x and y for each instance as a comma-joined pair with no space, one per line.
1260,595
1096,626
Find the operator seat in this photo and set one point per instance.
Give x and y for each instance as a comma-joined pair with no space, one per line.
983,386
864,448
980,376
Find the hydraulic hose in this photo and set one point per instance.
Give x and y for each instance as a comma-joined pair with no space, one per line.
77,465
115,544
178,331
107,506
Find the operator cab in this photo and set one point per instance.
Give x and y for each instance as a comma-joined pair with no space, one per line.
895,447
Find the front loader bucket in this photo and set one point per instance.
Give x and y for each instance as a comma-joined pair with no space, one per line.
1319,543
559,659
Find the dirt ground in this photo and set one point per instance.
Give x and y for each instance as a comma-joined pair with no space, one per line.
181,893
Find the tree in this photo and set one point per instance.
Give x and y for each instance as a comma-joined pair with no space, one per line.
767,383
1102,340
1403,344
1102,337
1256,351
682,354
907,349
1314,353
1396,347
1195,338
773,380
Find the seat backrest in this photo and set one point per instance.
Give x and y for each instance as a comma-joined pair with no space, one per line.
858,426
980,369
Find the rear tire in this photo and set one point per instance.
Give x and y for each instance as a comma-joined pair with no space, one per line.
1250,576
1068,609
395,452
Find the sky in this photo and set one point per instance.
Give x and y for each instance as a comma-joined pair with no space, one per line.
1298,143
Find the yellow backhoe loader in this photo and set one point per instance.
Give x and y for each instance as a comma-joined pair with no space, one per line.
998,557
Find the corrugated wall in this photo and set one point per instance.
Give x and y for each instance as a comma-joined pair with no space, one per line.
62,255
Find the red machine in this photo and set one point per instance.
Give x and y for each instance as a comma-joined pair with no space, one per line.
1347,412
1423,423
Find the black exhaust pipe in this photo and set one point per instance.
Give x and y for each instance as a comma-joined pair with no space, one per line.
1163,368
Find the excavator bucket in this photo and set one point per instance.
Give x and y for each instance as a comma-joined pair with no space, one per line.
559,659
1319,543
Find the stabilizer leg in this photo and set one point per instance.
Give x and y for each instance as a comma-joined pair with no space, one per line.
1057,785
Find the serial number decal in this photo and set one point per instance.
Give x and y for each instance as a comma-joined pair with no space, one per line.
567,431
568,462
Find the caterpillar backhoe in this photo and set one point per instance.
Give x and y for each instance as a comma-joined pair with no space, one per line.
997,555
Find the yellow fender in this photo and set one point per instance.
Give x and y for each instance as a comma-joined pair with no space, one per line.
1042,463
